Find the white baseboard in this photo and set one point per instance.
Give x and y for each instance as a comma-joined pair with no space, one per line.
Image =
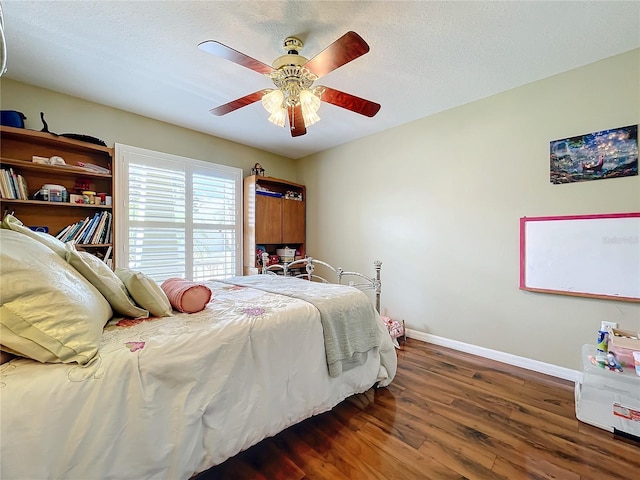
522,362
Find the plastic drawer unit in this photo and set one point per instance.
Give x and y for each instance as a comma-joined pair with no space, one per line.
607,399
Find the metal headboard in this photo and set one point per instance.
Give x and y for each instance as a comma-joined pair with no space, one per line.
308,264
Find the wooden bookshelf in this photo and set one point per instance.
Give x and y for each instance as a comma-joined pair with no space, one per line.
18,146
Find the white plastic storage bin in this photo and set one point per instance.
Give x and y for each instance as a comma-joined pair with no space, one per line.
287,255
607,399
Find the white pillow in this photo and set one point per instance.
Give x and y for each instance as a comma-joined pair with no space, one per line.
105,280
145,291
48,311
12,223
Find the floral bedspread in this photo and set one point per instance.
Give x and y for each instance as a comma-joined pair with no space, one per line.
169,397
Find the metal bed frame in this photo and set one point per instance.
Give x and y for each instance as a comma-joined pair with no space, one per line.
308,264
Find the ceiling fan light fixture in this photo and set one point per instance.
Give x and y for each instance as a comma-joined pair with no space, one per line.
293,76
272,101
310,104
278,118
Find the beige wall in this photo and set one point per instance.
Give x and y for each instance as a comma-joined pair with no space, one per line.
66,114
438,200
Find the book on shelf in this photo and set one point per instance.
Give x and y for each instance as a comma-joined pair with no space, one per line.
64,231
97,232
68,233
100,235
5,190
107,233
13,193
77,238
17,182
24,191
90,231
13,186
94,232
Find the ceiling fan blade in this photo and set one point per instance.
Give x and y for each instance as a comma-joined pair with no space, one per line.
220,50
350,102
238,103
296,121
347,48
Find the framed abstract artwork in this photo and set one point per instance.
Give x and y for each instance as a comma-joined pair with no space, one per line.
594,156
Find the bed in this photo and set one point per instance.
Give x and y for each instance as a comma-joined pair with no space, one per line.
170,396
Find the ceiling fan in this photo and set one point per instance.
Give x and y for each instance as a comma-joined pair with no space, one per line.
293,75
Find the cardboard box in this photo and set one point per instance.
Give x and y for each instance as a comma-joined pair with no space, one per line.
622,344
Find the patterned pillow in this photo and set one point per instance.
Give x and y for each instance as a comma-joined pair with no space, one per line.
145,291
48,311
186,296
106,281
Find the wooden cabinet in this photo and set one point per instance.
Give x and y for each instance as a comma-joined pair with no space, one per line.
293,221
268,226
18,146
274,217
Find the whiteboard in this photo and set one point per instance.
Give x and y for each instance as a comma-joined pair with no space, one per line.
584,255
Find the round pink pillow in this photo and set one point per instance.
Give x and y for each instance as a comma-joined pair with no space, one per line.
186,296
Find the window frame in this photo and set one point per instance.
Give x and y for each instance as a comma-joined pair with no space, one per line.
190,166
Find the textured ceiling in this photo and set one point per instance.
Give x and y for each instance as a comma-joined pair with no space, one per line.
425,56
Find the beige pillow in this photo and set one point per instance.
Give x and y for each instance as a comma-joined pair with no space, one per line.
48,311
12,223
145,291
106,281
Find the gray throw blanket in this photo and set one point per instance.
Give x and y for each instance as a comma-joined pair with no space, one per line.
347,315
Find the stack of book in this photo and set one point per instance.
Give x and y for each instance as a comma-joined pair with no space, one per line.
94,230
13,186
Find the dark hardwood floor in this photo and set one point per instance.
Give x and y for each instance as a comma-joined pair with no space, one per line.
446,415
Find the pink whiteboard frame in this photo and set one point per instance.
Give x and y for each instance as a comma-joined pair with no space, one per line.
523,222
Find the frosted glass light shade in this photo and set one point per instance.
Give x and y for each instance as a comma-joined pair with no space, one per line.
278,117
310,105
272,101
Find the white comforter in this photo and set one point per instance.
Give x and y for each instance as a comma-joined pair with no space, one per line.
345,314
170,397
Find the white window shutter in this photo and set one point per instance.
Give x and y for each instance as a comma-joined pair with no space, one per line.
179,217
